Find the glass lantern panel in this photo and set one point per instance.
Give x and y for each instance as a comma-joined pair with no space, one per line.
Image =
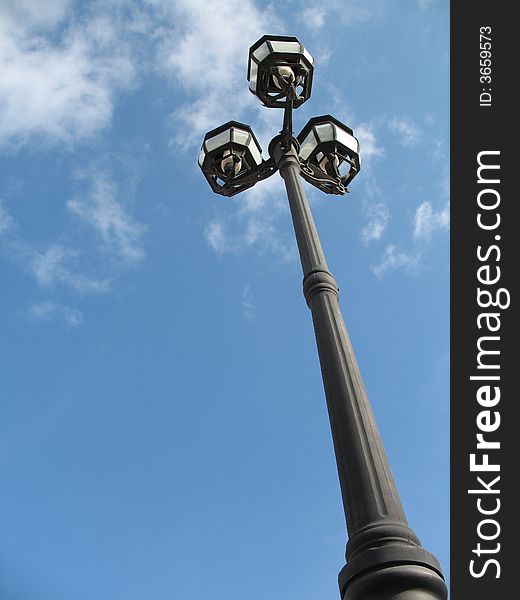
261,53
253,76
290,47
255,151
347,140
308,145
241,137
325,132
202,156
308,56
219,140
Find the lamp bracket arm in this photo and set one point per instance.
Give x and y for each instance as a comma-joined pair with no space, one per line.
234,185
316,177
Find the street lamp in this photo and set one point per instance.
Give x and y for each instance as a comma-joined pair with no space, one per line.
231,159
275,63
326,145
385,560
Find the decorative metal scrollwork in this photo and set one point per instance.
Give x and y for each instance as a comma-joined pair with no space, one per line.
315,176
231,185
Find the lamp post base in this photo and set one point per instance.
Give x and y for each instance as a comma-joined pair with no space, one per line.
395,582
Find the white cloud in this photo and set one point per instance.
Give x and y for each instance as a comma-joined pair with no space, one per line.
216,235
392,258
369,146
444,185
72,317
313,17
41,311
82,265
33,13
205,45
349,13
427,220
59,76
48,265
438,154
253,223
203,48
62,66
77,257
58,265
48,311
425,4
322,54
257,229
121,235
374,229
370,186
6,221
248,306
408,132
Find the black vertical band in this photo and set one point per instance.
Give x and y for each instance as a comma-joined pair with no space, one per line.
484,267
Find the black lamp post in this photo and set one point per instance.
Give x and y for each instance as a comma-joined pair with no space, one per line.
384,557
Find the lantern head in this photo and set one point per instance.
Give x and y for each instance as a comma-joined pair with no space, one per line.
329,147
230,154
276,62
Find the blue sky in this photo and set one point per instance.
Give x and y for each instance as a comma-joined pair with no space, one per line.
163,425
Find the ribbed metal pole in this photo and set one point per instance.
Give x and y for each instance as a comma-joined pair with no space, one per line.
384,557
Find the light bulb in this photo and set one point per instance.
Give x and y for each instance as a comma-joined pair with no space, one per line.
330,167
285,76
230,163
